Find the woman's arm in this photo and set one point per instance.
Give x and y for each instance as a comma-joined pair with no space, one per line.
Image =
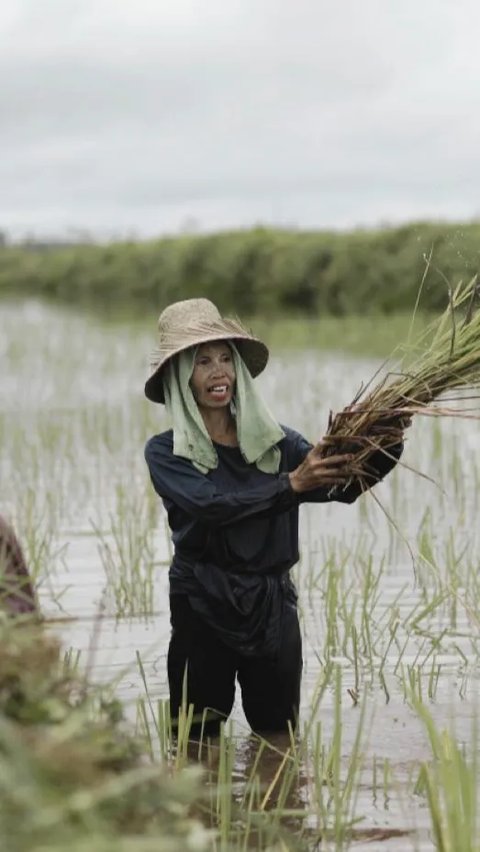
304,461
380,464
176,479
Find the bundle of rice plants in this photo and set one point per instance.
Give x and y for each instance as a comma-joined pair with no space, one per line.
446,357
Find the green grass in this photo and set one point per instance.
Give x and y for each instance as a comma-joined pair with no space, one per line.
374,335
450,784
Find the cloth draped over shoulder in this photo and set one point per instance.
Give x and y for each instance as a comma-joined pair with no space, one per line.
258,432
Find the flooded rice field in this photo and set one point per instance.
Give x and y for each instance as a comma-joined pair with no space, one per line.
388,588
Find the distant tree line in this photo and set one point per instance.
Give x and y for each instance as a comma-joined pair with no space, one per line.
255,272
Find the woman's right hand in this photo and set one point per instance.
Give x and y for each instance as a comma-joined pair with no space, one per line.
318,470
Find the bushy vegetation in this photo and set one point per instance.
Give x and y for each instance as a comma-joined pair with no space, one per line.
71,775
255,272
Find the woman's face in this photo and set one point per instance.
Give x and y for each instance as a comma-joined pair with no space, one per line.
213,377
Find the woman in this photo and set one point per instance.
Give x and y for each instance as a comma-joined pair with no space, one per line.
232,479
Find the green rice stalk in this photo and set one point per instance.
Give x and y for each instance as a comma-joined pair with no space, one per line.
450,784
446,357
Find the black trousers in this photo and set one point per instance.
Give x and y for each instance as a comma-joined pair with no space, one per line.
205,669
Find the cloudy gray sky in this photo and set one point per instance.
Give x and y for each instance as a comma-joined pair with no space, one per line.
153,116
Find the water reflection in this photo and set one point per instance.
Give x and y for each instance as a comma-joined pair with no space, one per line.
275,765
265,781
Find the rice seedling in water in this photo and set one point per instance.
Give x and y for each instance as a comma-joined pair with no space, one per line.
307,799
37,531
450,784
336,787
129,558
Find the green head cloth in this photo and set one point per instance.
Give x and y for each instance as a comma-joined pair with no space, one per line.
258,432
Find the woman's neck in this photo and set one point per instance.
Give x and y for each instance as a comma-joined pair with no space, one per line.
220,425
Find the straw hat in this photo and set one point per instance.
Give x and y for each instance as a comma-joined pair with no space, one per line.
194,321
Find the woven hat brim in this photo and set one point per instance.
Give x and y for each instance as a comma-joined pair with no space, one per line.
254,353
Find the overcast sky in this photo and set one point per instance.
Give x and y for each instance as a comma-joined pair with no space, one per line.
153,116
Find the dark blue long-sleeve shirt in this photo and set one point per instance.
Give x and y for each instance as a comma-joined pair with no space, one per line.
235,531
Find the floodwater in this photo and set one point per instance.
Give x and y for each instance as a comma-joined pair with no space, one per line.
402,567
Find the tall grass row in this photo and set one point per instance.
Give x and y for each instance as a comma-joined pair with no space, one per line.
259,271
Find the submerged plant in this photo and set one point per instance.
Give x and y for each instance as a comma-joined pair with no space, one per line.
450,784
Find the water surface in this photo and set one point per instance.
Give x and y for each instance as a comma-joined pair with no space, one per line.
402,567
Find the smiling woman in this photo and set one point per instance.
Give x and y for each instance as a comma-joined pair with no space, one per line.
232,480
213,363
